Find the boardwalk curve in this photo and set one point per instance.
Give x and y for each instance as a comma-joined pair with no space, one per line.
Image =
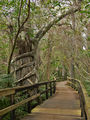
64,105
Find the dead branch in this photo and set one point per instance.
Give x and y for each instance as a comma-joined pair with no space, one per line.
33,72
24,66
28,54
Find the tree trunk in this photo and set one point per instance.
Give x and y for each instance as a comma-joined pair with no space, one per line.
49,57
72,69
35,42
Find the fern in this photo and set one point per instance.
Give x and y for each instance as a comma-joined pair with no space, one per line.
6,81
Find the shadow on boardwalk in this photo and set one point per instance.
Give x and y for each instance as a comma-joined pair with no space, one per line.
64,105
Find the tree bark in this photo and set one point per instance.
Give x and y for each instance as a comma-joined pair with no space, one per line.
42,32
16,37
28,54
49,56
72,68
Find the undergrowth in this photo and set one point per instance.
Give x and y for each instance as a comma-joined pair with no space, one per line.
87,86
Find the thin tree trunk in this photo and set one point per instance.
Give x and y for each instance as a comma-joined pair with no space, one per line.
16,37
49,57
72,68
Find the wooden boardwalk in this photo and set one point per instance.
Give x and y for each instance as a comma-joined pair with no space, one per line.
63,105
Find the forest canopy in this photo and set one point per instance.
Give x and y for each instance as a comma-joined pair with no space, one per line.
43,39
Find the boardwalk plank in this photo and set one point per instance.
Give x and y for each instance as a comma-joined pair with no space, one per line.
64,105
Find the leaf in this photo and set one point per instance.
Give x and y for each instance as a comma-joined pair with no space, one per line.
84,11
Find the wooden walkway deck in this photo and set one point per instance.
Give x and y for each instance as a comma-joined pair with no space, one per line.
64,105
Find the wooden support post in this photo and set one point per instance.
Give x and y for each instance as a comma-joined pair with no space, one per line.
82,104
46,91
81,109
39,98
53,87
83,114
50,89
29,104
29,107
12,101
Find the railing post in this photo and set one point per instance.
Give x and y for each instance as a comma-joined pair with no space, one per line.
12,101
83,114
39,98
46,91
54,87
29,104
29,107
81,105
50,88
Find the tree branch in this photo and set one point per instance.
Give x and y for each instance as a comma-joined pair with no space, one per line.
24,66
28,54
33,72
20,13
65,24
46,28
15,40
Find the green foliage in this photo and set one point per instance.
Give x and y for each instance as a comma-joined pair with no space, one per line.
21,112
85,52
88,38
6,81
4,102
87,86
40,14
86,8
3,52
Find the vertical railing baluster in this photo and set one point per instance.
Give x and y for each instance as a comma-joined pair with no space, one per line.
53,87
12,114
50,89
29,106
29,103
46,91
39,98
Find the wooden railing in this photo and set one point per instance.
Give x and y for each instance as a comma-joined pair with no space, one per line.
84,99
49,87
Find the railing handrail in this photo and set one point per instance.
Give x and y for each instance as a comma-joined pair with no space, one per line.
37,95
10,91
86,99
